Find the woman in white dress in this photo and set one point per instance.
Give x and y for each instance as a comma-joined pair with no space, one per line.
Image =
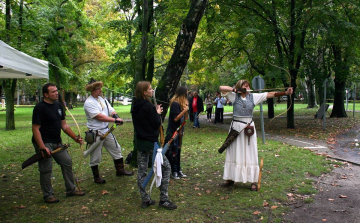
241,162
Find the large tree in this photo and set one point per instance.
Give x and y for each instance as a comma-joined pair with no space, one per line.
184,42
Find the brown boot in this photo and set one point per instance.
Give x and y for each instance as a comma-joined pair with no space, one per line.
97,178
119,166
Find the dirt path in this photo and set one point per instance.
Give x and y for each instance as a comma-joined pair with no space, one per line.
337,201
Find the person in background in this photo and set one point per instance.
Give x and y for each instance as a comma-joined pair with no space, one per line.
241,162
219,111
209,107
196,107
47,122
146,120
191,115
99,114
178,112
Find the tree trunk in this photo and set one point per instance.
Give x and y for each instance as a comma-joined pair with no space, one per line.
311,100
9,89
142,58
341,73
185,39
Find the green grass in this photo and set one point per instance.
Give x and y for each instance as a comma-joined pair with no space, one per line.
199,197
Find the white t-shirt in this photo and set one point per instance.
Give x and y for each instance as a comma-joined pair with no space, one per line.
93,107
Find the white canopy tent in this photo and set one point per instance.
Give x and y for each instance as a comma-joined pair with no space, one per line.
16,64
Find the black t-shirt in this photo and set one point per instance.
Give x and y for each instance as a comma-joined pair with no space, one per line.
175,110
49,117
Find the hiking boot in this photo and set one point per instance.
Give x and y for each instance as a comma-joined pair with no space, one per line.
167,204
181,174
175,176
97,178
146,204
76,193
52,200
119,166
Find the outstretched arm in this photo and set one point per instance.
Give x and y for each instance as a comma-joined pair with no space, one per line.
225,89
273,94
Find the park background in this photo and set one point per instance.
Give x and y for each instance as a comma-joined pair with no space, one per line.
311,46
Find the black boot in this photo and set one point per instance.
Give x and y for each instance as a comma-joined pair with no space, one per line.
119,166
97,178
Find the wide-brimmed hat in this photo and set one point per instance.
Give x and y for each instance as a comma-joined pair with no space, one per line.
93,85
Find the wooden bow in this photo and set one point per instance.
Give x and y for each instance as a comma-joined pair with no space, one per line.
289,87
81,149
161,128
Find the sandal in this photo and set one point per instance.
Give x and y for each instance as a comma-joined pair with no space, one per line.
227,183
253,187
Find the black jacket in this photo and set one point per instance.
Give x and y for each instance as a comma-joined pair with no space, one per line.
146,120
200,105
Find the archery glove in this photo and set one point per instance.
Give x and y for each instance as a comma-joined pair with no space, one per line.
118,122
115,116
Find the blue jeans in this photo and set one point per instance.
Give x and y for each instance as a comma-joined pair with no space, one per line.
196,120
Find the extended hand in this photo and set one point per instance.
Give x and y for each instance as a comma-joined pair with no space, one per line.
289,91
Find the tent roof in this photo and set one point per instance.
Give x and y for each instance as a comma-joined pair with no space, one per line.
16,64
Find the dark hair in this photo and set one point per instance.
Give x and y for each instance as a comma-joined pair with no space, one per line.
181,91
45,88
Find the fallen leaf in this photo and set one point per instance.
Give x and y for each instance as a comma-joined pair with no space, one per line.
199,194
330,199
343,177
265,204
323,219
104,192
256,212
342,196
208,191
274,207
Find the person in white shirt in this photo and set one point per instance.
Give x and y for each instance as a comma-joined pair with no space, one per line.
219,111
98,114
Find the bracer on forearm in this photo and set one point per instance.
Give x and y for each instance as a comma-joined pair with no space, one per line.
278,94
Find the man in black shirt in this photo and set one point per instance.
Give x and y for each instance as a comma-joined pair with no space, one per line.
47,122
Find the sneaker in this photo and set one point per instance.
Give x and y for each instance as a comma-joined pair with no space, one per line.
76,193
167,204
181,174
175,176
52,200
146,204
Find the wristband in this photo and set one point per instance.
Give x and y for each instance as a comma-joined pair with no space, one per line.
278,94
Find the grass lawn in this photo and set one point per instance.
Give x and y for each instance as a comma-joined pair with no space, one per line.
288,173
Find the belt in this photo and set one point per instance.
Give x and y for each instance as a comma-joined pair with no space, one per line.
242,121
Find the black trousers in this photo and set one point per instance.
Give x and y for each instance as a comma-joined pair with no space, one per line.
219,115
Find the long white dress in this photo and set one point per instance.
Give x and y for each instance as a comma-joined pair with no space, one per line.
241,162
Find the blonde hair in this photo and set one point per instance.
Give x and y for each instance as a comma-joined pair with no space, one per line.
240,83
140,88
180,97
